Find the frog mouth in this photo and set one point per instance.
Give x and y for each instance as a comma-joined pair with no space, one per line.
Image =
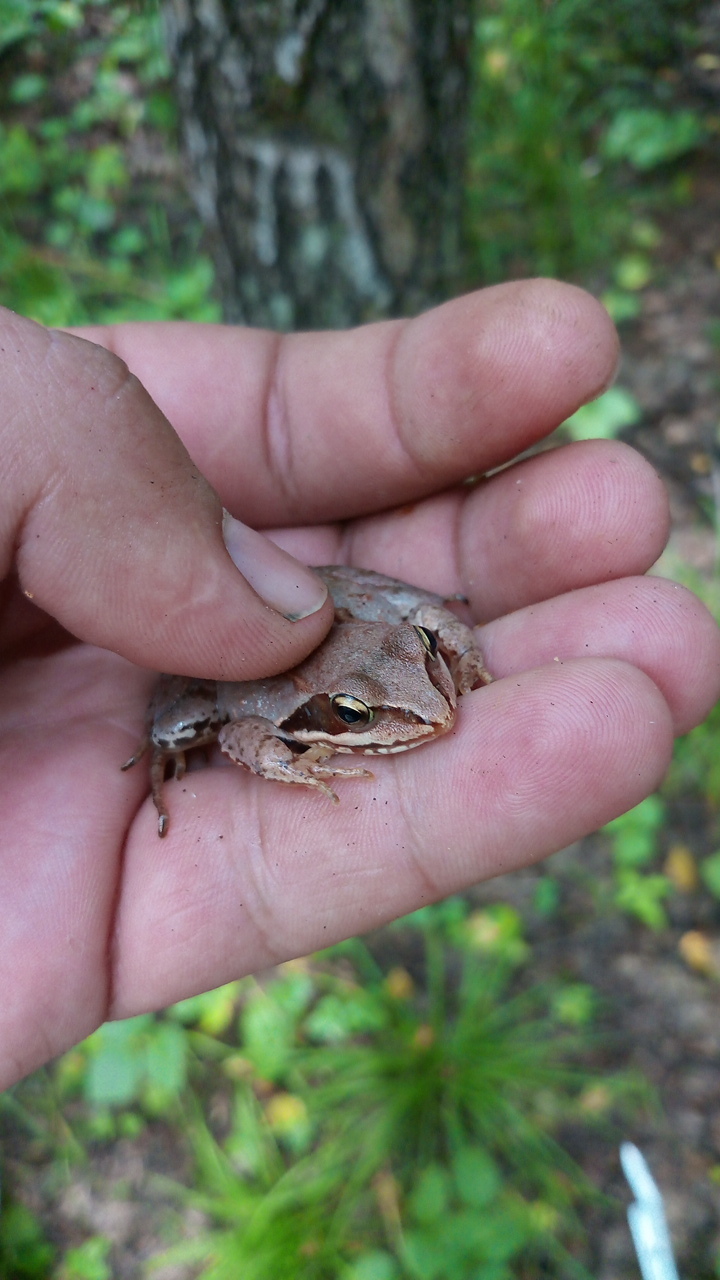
423,732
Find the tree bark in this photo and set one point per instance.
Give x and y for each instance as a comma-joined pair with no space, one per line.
326,148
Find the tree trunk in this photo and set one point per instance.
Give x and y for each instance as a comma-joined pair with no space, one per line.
326,149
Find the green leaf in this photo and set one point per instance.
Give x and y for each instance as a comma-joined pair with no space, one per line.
190,288
64,15
546,898
166,1058
646,137
377,1265
293,991
476,1176
212,1010
336,1018
429,1197
650,814
496,930
641,896
27,87
710,873
24,1251
441,915
621,305
87,1261
268,1032
16,21
21,167
575,1004
482,1237
603,418
247,1143
645,234
425,1255
113,1076
128,241
106,170
634,834
633,272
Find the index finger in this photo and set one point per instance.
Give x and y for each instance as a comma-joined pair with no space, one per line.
322,426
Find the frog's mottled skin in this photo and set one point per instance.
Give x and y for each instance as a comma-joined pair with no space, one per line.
385,679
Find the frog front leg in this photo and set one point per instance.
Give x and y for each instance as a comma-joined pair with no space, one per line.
256,743
182,714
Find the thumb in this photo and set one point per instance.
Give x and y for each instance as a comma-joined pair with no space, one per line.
113,531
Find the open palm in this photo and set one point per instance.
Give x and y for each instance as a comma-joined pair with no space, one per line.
347,448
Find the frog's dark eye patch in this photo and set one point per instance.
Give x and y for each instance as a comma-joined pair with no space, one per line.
329,715
429,640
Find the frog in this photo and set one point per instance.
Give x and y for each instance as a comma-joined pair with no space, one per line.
385,679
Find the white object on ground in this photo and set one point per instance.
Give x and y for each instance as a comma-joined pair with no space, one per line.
648,1225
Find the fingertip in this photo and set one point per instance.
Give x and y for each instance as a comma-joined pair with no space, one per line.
528,353
690,678
648,622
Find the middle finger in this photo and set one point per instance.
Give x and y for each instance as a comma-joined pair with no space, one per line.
564,519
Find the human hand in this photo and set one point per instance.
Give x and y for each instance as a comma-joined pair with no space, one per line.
596,667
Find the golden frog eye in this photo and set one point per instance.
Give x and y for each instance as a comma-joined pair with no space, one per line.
351,710
429,640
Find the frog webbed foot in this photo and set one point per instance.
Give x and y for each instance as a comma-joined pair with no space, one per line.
256,744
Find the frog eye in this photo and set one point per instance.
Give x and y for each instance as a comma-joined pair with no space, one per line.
429,640
351,710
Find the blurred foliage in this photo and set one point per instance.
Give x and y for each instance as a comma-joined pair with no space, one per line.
377,1122
696,762
86,106
646,137
86,1262
695,768
574,105
639,837
710,872
577,120
603,418
634,841
25,1252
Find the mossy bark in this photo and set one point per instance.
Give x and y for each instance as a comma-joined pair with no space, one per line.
326,147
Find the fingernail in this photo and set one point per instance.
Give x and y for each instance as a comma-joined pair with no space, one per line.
282,582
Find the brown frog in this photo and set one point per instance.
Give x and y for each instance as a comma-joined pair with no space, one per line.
385,679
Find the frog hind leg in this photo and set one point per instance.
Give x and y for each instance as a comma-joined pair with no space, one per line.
254,743
158,769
